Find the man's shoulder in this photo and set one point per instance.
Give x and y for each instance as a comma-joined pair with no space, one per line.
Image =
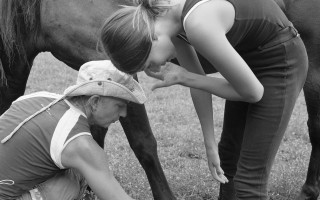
79,149
41,94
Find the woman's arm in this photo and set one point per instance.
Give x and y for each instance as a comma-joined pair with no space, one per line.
206,29
213,84
90,160
203,104
202,100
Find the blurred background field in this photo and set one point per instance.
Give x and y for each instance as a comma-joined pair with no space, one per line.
180,143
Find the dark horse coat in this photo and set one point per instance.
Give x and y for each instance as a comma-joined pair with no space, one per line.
69,30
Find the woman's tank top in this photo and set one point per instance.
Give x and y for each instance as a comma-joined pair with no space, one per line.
256,22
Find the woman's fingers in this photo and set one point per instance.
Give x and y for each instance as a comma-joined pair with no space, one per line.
219,178
153,74
158,85
218,174
168,74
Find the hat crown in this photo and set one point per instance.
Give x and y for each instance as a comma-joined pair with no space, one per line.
96,70
103,78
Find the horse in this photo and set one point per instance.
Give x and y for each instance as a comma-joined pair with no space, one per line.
305,17
69,29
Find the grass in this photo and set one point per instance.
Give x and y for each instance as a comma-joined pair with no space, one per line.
180,143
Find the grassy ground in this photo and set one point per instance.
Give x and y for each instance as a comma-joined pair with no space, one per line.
180,143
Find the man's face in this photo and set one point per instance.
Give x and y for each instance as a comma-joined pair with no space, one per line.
108,110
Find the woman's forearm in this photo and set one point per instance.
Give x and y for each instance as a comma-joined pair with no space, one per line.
203,104
217,86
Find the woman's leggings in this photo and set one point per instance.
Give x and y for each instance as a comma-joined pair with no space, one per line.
252,133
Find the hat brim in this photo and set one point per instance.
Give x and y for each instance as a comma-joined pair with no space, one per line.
108,88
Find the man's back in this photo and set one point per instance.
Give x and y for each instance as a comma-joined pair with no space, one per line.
27,159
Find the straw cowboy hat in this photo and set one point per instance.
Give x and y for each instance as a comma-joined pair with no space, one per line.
102,78
97,78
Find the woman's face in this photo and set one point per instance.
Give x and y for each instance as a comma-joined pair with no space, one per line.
108,110
162,51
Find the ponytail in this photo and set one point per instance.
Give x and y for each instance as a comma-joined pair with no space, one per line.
148,11
154,8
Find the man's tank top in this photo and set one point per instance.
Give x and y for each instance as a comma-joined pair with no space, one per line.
33,154
256,22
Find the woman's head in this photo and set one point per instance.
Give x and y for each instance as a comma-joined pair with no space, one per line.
127,35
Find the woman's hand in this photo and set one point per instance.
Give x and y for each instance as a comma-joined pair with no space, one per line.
170,74
214,166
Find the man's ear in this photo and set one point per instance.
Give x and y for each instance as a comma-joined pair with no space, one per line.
93,102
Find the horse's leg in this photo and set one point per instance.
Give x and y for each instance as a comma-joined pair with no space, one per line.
98,134
311,188
17,78
137,129
7,95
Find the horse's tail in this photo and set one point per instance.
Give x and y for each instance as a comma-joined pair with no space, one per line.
8,30
8,37
18,19
3,78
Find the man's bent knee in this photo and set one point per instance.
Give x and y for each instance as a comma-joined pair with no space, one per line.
68,185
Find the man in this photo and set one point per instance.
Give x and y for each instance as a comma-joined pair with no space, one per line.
47,151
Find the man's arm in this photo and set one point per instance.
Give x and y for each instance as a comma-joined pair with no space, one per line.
84,154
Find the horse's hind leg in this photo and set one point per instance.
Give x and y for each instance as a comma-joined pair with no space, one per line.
311,188
141,139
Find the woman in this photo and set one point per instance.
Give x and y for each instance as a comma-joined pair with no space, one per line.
254,47
43,134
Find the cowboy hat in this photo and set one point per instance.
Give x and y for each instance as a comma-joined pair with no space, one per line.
103,78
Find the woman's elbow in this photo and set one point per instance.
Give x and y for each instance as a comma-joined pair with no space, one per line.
253,95
256,95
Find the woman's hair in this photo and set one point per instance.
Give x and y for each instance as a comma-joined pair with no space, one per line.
127,34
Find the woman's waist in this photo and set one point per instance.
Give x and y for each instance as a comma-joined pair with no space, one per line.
282,36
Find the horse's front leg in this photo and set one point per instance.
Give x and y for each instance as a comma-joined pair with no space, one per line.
137,129
98,133
311,188
15,85
8,95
